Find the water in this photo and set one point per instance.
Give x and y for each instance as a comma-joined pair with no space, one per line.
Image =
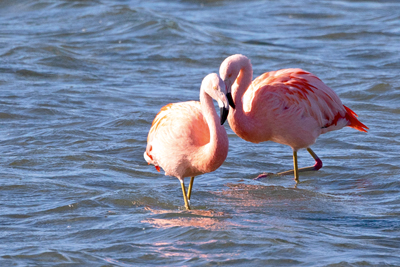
81,82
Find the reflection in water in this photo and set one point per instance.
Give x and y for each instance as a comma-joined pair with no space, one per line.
240,198
209,213
205,219
116,262
247,195
205,223
174,250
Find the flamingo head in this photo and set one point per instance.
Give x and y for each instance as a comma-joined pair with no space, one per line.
229,71
215,87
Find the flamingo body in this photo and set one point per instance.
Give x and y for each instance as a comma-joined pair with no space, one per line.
178,140
187,139
292,107
289,106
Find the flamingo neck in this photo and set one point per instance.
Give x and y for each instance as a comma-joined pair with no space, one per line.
214,153
239,120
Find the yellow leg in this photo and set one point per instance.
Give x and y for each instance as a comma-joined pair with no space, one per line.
184,195
190,188
296,167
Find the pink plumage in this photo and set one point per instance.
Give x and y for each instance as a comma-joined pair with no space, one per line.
288,106
187,139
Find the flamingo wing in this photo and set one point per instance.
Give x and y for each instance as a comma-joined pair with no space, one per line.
176,129
303,94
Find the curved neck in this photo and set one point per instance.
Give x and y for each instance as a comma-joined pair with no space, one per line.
242,83
239,121
214,153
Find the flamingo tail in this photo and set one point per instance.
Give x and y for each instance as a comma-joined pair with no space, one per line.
351,116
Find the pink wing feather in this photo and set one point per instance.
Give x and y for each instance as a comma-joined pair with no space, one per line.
182,125
303,92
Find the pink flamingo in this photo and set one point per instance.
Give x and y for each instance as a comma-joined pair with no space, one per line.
187,139
290,106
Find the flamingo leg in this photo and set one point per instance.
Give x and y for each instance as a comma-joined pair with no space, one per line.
189,193
315,167
185,196
295,166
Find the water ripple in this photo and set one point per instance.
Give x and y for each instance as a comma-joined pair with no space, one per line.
82,80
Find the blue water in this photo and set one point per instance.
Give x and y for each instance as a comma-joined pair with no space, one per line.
81,82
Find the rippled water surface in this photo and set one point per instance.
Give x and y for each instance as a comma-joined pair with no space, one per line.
81,82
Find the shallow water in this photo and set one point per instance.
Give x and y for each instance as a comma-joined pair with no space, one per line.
81,82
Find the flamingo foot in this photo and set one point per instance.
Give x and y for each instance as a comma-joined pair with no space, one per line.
318,164
264,175
316,167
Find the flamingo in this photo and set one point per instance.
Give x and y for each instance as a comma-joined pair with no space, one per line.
289,106
187,139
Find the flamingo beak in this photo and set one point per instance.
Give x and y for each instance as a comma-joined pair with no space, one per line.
230,100
228,85
223,114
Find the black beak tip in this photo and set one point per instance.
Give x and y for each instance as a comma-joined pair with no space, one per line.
224,114
230,100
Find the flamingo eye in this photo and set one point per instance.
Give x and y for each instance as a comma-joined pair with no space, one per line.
230,75
215,87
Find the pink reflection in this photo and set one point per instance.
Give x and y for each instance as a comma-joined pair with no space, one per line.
209,213
242,196
245,195
169,250
205,223
116,262
363,184
210,220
